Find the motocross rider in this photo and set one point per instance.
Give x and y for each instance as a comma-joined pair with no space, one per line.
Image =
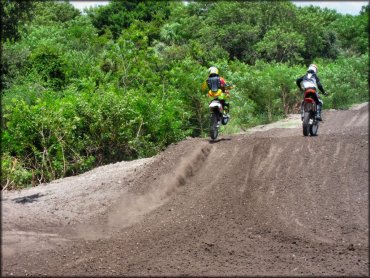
313,82
218,88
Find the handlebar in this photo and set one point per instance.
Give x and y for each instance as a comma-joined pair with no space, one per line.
229,86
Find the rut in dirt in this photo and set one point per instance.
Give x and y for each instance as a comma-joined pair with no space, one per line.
266,203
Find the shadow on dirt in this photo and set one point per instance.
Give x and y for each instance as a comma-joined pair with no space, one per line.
27,199
219,140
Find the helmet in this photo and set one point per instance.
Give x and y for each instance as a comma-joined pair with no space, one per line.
213,70
312,67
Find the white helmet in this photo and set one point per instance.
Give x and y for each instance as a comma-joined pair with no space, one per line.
213,70
312,67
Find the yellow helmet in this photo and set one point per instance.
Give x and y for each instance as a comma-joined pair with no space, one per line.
313,67
213,70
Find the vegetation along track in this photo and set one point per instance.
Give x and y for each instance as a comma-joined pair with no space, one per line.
269,202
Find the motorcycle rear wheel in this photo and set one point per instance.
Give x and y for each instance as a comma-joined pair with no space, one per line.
213,130
306,123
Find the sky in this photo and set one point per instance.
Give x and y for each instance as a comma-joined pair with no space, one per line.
343,7
85,4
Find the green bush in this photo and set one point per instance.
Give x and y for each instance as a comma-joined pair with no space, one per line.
13,174
346,81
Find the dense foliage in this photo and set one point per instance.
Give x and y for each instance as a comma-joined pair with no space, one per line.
123,81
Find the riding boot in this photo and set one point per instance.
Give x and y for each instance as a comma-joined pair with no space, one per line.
227,108
318,112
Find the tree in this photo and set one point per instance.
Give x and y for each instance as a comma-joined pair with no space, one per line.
119,15
320,41
51,12
234,27
281,46
352,32
14,14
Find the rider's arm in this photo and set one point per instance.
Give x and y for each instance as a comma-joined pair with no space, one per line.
319,85
204,86
223,82
298,82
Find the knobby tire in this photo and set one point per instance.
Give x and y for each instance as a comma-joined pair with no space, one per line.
306,124
213,126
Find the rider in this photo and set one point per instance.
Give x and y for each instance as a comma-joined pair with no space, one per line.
311,81
218,88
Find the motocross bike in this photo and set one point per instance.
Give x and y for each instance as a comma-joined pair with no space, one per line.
218,114
310,124
217,117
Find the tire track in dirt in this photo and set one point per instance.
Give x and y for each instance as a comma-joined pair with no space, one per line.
132,207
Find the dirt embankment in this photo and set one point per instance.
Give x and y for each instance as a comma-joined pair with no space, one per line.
265,202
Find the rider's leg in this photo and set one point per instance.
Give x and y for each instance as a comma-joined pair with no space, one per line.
227,107
222,101
319,108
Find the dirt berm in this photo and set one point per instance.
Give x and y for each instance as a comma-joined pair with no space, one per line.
266,202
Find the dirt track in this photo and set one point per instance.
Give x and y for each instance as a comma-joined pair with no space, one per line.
266,202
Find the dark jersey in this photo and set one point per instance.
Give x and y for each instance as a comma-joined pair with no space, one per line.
319,85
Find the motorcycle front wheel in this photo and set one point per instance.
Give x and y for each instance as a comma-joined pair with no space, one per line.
314,128
213,131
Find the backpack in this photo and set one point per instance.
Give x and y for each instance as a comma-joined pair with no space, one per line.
214,83
309,81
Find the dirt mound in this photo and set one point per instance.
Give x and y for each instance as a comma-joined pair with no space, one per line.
132,207
265,202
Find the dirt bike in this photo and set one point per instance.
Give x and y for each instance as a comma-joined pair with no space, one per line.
217,117
310,124
218,114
